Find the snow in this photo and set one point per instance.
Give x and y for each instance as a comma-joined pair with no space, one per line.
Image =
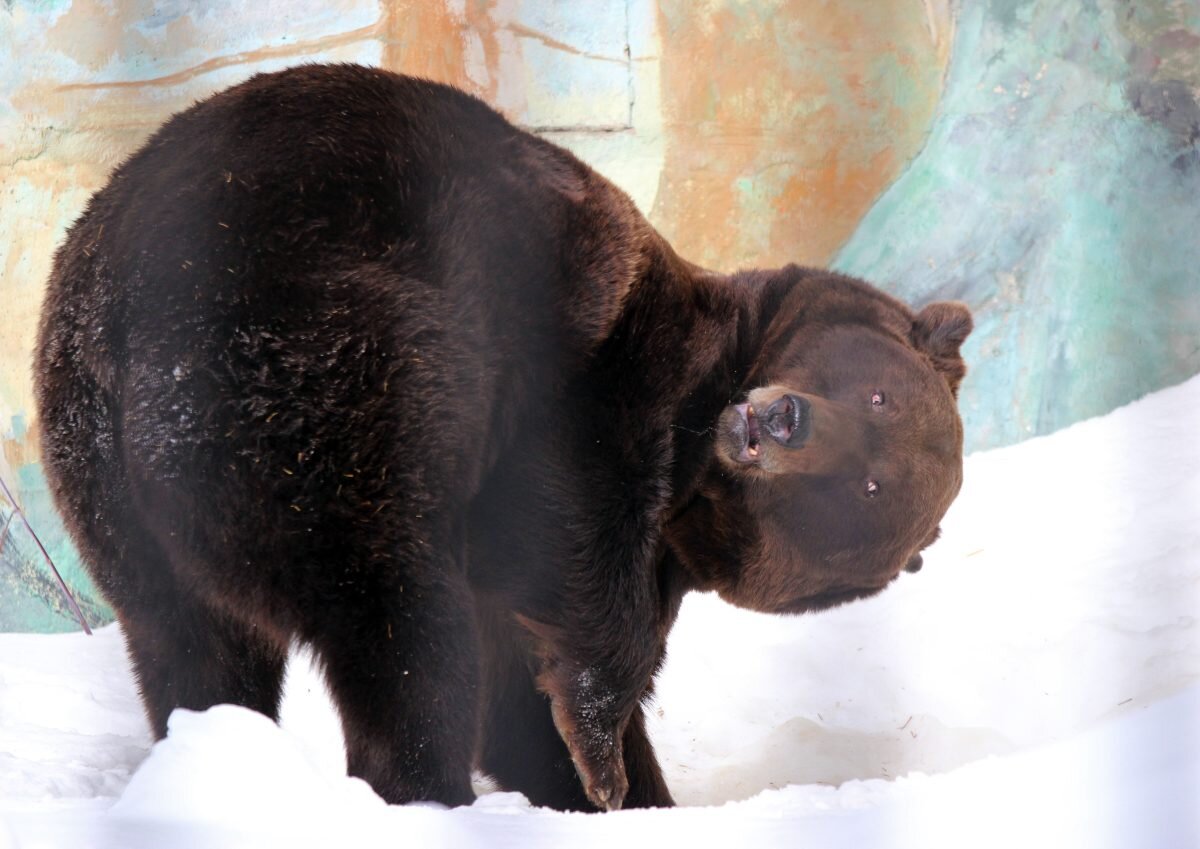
1037,683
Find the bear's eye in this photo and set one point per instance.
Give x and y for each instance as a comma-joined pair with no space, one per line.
877,398
872,488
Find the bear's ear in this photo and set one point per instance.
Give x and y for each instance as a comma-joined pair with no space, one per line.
939,331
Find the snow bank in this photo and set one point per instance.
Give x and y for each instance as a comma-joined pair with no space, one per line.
1038,681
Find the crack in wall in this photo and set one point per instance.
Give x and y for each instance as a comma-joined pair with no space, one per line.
372,31
523,31
379,31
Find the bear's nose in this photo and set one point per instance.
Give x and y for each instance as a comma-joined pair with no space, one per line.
788,420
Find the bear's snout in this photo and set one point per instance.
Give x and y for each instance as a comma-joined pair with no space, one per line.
788,420
780,430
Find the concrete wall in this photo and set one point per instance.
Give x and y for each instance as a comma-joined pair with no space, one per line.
1046,174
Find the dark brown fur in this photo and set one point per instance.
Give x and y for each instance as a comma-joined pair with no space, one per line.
342,356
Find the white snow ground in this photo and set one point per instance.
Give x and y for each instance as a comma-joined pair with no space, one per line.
1038,683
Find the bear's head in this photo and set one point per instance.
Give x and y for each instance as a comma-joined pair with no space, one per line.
839,456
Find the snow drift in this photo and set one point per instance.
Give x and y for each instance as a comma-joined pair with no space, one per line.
1038,681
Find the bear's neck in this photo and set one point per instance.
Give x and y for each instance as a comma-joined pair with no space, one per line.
698,335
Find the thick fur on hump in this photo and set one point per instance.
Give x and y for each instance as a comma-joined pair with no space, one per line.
342,356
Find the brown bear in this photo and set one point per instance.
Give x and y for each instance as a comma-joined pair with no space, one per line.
341,356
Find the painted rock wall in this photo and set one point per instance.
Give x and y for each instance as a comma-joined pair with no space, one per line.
750,132
1035,158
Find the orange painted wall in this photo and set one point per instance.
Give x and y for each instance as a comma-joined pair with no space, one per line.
784,121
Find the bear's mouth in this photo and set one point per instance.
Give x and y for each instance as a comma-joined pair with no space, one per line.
741,431
749,452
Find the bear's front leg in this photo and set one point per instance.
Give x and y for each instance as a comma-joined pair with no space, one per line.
593,694
588,718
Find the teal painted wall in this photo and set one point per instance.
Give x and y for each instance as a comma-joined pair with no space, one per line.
1059,196
30,598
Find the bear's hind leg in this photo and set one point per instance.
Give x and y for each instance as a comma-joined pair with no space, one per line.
184,652
521,747
187,654
399,655
647,789
523,751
